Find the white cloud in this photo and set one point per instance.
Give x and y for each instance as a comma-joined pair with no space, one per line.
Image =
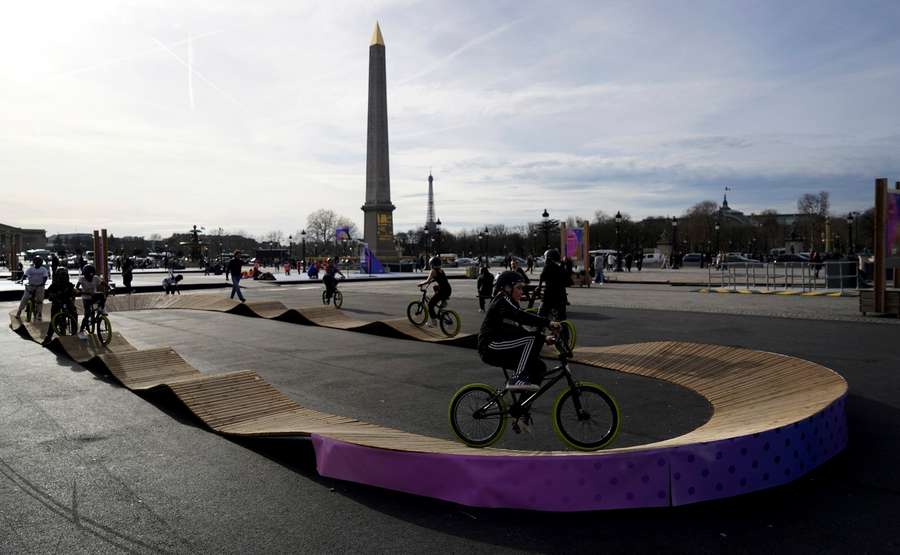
514,106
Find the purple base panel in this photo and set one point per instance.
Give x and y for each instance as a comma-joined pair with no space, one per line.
739,465
613,480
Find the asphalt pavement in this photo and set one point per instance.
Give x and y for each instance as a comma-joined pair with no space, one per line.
87,466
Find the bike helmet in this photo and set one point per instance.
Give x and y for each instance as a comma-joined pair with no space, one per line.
435,262
88,271
552,255
38,261
509,279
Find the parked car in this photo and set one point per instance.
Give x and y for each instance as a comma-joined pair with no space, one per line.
738,258
466,262
780,259
691,259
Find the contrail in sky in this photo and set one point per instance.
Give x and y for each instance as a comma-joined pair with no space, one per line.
190,72
195,72
472,43
136,56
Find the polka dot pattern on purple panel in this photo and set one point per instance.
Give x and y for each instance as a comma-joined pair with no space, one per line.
757,461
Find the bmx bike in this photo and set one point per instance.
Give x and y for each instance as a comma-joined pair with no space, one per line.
585,416
337,297
448,320
65,322
98,324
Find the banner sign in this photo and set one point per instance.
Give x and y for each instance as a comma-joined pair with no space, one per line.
892,231
368,263
574,238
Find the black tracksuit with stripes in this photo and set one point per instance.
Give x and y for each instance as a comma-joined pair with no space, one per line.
503,341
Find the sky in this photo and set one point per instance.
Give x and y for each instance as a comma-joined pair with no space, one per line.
151,117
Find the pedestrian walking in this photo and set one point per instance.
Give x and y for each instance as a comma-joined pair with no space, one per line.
127,273
234,272
484,287
598,270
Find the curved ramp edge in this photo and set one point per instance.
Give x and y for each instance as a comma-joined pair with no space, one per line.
775,418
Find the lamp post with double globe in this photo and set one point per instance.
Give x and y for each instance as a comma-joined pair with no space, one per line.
674,243
618,241
303,248
851,248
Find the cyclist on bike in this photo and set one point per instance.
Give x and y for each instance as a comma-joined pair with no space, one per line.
442,289
170,284
504,342
92,291
35,277
552,284
61,295
329,280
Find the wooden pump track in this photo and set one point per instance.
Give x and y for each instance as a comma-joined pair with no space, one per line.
774,419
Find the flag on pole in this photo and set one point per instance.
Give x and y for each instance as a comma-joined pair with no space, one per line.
341,233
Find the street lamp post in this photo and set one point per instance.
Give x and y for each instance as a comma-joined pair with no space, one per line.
427,245
303,248
545,217
674,243
618,242
851,248
437,236
290,247
718,244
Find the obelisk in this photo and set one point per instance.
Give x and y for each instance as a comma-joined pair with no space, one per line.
378,210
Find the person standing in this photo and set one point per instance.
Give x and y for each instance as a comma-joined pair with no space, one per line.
234,272
54,264
128,273
598,269
485,286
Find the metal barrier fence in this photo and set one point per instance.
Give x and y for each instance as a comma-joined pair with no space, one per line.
807,276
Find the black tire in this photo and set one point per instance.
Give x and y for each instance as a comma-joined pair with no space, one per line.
417,313
325,299
478,415
103,329
599,424
567,336
450,322
64,324
338,299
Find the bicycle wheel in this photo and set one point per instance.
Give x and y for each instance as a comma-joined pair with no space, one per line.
324,297
103,329
338,299
417,313
567,335
596,425
64,324
478,415
450,322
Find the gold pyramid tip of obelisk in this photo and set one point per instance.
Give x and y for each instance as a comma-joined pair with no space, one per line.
376,36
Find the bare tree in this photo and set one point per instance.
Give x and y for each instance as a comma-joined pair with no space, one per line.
276,237
813,209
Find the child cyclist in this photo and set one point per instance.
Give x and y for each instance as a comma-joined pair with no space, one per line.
504,342
35,278
442,289
93,290
329,280
61,295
